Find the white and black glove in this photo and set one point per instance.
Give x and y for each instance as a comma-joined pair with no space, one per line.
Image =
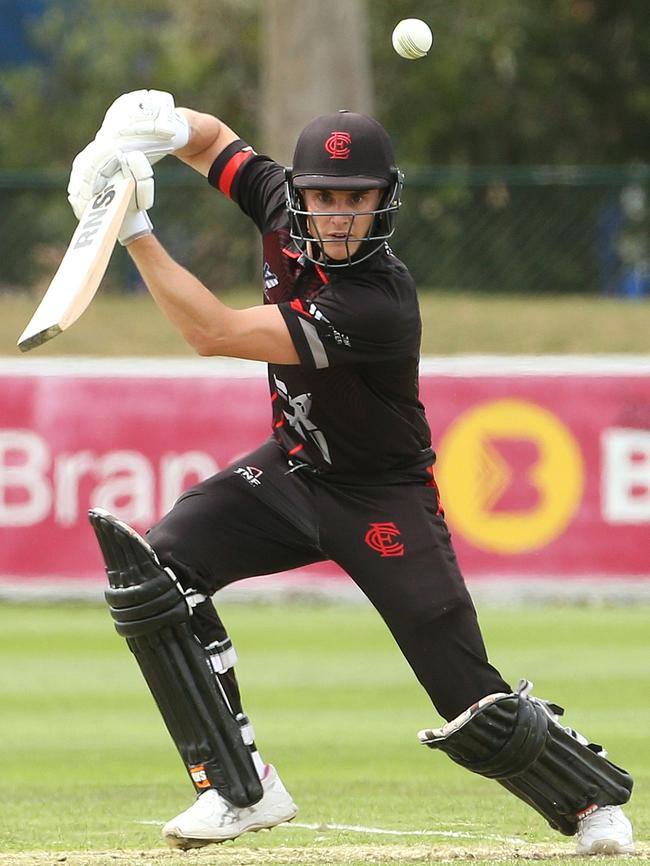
138,129
145,120
92,170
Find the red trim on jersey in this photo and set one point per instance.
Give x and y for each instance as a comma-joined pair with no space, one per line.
432,483
293,254
274,396
279,423
227,176
321,273
295,450
297,305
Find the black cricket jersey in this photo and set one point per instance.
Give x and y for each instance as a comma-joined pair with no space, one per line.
350,410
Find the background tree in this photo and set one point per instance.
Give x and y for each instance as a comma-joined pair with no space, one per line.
315,59
508,81
204,51
519,81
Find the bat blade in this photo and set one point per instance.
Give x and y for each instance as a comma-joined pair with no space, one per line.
82,267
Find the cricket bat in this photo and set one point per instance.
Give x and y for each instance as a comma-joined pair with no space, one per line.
82,267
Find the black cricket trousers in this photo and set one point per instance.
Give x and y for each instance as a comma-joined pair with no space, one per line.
262,515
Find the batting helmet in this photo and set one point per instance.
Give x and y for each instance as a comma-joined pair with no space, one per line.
343,151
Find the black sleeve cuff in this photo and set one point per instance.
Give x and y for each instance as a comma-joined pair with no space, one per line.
224,169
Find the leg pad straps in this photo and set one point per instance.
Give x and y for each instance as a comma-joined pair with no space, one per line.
516,739
152,612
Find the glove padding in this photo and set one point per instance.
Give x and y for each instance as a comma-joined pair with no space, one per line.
145,120
93,168
136,222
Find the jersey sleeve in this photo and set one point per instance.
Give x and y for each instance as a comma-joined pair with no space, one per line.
352,323
254,182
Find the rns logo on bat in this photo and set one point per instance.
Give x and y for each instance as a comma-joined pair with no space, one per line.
98,211
511,475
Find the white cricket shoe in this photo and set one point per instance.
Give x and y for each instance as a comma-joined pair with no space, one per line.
213,819
605,831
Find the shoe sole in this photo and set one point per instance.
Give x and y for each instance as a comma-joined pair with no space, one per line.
607,846
184,843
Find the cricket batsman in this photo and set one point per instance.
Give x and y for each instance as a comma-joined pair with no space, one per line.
345,475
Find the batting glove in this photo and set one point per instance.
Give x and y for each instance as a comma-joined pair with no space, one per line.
136,222
147,121
94,167
88,177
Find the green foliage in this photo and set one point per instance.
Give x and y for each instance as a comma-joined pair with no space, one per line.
518,81
205,51
507,81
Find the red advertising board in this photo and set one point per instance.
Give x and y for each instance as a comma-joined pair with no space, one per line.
544,465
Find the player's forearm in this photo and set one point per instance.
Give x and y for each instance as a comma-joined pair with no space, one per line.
210,327
208,137
185,301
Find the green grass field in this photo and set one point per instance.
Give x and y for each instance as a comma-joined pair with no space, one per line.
88,772
453,323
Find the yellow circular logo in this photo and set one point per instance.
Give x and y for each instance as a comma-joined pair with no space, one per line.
511,476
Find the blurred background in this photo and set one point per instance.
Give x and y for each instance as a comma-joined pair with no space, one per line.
524,136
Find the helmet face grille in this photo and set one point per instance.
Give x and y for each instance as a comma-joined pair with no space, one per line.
304,233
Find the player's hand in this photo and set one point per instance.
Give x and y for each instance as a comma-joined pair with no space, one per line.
136,222
89,176
92,170
147,121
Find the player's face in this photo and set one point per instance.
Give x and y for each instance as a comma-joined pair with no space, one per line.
343,218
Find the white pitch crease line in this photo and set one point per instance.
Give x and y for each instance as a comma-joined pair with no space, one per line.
455,834
356,828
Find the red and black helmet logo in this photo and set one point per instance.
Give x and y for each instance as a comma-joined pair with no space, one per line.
338,145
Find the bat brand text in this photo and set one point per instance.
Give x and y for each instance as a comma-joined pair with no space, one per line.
93,223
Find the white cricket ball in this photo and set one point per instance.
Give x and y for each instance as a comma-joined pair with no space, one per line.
412,38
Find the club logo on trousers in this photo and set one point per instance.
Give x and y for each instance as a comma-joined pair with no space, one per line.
381,537
338,145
